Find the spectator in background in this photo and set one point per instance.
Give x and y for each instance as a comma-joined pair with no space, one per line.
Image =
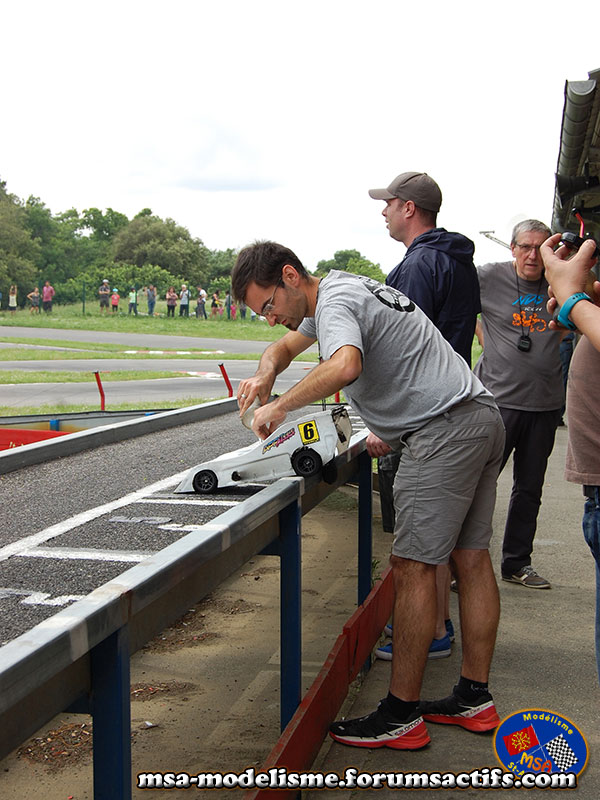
214,305
104,294
150,293
132,301
438,274
171,298
243,309
201,303
569,285
114,301
12,299
184,301
520,365
228,303
34,299
47,297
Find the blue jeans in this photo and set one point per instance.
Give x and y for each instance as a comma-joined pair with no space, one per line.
591,532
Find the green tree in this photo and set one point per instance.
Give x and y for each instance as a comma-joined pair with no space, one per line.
350,261
339,261
61,254
19,251
103,226
362,266
148,239
220,265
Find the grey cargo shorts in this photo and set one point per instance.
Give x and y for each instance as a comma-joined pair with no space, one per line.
445,486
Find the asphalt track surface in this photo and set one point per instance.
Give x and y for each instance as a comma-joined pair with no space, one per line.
48,559
199,379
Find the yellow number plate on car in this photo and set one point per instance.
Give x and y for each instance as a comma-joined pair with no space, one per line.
309,433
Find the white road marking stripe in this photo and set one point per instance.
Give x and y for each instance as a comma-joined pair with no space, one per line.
86,516
31,598
69,553
190,502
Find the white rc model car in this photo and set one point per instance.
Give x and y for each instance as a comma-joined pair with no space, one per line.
298,447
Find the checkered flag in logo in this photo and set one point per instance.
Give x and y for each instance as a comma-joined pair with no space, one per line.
562,754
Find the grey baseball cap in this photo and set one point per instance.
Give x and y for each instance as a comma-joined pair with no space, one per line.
415,186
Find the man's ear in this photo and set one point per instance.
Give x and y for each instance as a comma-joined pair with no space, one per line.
409,209
290,274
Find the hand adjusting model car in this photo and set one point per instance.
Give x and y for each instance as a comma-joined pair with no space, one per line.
298,447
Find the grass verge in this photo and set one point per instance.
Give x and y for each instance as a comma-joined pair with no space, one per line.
71,317
19,354
59,376
66,408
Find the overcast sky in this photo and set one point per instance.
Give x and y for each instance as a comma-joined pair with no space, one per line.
246,120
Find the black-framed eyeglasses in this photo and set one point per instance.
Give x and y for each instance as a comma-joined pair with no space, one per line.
268,307
527,248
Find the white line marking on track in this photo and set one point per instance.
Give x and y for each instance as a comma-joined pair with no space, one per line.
31,598
66,525
83,553
190,502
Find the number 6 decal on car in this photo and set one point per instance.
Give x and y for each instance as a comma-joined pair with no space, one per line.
309,433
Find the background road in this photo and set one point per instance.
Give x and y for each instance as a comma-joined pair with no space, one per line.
207,382
146,340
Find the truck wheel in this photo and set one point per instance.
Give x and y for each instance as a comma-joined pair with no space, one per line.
205,481
306,462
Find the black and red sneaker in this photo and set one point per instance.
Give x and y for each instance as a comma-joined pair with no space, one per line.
479,717
381,729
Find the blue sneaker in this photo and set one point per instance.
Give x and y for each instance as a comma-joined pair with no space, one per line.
439,648
449,630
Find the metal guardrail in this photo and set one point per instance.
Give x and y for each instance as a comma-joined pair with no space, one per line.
37,453
79,659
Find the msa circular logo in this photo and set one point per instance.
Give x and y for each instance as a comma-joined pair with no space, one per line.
540,741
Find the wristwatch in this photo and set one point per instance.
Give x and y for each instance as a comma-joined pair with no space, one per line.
563,314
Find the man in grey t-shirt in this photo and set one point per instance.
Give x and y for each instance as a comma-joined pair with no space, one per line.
413,391
521,366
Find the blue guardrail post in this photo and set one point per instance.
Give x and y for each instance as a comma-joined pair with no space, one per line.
288,547
365,516
111,713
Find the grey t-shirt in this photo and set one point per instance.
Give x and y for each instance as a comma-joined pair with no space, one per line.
410,373
526,381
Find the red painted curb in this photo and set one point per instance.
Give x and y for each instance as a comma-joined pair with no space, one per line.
300,742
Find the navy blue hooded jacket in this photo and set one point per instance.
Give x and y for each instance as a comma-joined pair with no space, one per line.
438,275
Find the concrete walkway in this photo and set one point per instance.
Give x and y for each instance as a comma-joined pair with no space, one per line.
544,654
226,715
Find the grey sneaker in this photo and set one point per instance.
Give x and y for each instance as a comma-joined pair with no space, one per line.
527,576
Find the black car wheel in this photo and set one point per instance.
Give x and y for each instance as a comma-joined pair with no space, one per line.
306,462
205,482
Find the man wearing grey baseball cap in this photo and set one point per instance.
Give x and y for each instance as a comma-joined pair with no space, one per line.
438,275
437,272
415,186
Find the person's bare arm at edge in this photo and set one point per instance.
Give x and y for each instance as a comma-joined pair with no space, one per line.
325,379
567,276
273,361
479,331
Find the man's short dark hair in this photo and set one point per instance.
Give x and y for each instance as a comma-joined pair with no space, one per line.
427,217
262,262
